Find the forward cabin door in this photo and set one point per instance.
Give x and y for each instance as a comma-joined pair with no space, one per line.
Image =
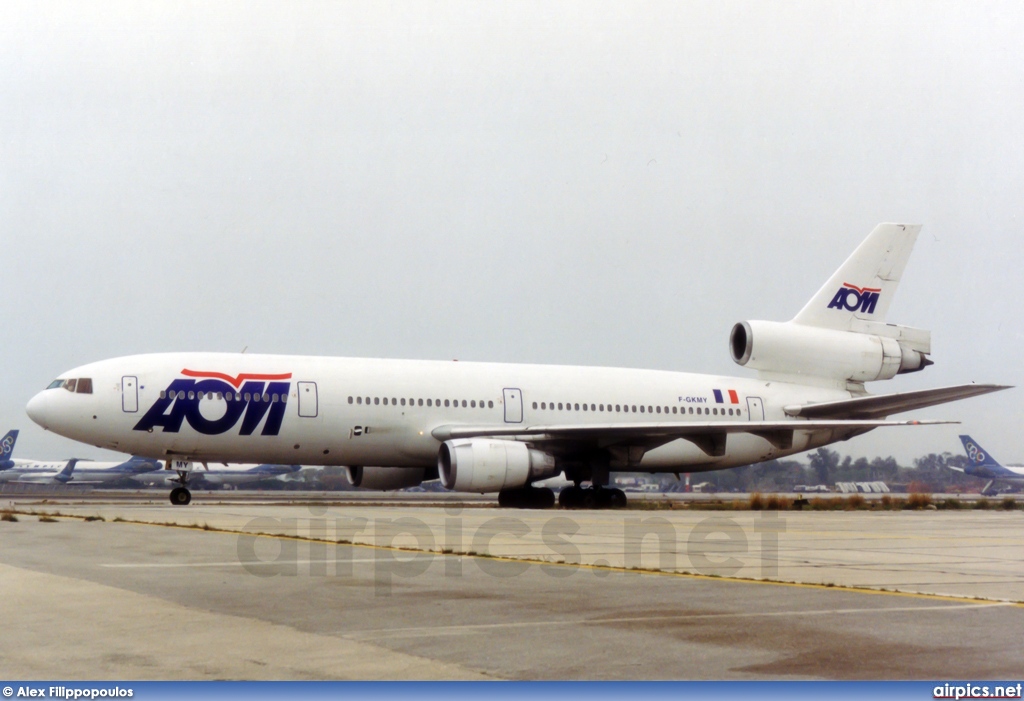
513,405
756,408
309,403
129,394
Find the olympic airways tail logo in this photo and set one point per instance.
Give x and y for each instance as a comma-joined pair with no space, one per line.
856,299
6,447
213,402
975,454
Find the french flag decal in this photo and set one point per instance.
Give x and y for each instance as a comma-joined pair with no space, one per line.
720,399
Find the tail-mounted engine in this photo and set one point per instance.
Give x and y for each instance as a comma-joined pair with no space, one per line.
873,351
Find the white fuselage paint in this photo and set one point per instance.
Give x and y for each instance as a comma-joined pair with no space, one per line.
337,431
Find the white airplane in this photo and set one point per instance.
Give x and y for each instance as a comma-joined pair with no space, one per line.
980,463
486,427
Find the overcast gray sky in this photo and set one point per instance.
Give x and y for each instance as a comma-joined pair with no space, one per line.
558,182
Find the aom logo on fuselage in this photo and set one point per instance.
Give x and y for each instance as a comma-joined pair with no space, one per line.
248,396
856,299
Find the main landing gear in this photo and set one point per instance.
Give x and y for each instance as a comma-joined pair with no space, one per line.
577,497
526,498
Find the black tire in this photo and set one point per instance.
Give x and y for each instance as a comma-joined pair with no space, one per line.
570,498
617,499
542,498
180,496
509,498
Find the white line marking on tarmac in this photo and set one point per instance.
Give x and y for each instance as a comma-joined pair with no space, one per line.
482,627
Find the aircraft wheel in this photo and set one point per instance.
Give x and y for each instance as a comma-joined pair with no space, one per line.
180,496
617,499
570,498
509,498
543,498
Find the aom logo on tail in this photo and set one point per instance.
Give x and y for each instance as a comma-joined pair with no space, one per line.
213,403
855,299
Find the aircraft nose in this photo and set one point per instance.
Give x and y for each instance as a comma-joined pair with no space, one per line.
38,409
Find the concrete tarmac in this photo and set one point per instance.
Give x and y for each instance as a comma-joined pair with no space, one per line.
544,594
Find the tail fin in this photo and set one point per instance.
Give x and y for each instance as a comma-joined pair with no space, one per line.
7,445
65,474
863,287
980,462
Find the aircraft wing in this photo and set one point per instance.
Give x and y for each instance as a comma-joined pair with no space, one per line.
709,436
881,405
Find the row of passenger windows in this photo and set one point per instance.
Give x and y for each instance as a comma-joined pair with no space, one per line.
560,406
633,408
229,396
394,401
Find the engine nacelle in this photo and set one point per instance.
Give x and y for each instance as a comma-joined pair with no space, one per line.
794,349
489,465
385,478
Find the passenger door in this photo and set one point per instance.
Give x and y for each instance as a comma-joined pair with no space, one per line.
309,404
513,405
129,394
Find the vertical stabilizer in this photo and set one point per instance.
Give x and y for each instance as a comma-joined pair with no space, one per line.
863,287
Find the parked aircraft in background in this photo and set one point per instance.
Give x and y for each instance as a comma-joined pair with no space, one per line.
980,463
7,449
214,474
490,427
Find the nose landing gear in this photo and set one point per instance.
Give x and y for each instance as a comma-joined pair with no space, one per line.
180,496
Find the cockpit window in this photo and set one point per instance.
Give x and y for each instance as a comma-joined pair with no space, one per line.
55,384
70,385
84,385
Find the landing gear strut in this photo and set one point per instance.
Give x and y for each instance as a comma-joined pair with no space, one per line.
526,498
577,497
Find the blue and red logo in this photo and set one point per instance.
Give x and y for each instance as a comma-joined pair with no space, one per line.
856,299
213,402
720,395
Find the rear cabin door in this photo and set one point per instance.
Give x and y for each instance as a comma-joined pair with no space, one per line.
309,405
513,405
755,408
129,394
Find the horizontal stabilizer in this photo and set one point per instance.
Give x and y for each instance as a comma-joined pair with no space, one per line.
882,405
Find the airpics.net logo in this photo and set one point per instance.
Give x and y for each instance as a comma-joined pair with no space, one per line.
977,691
407,547
856,299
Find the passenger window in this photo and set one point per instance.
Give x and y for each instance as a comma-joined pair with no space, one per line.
446,402
490,404
584,407
534,404
430,402
659,410
419,402
376,400
577,407
559,406
463,403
